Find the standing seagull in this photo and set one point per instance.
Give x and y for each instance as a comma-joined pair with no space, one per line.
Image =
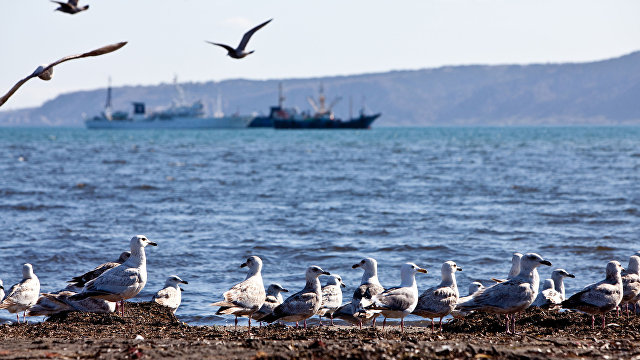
78,282
273,299
121,282
331,297
303,304
631,283
511,296
558,276
548,297
398,302
22,295
247,297
368,285
601,297
45,72
439,301
171,295
240,51
70,7
515,268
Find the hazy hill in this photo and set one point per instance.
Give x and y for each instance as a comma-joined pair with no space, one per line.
602,92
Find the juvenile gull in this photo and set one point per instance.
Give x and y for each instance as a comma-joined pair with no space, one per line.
601,297
515,268
331,297
548,297
171,295
22,295
631,283
474,287
78,282
246,297
511,296
439,301
53,303
303,304
273,299
70,7
558,276
398,302
240,52
121,282
369,286
45,72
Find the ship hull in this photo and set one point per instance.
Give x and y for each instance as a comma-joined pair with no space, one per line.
227,122
362,122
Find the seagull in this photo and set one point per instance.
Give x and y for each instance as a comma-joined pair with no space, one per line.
511,296
439,301
77,283
331,297
631,283
303,304
558,276
247,297
515,268
273,299
601,297
121,282
549,297
240,52
171,295
368,285
474,287
398,302
53,303
22,295
45,72
70,7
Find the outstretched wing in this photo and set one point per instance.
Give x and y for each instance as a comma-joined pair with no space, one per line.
227,47
73,3
248,34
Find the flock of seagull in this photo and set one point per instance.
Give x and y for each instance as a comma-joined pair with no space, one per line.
105,289
45,72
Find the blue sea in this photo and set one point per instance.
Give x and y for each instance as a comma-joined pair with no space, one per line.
71,199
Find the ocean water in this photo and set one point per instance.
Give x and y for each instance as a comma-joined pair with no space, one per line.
71,199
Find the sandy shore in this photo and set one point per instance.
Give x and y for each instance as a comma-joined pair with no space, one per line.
542,335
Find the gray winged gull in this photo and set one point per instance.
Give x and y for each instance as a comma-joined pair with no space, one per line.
70,7
240,52
171,294
273,299
601,297
331,297
303,304
77,282
369,286
439,301
558,276
631,283
53,303
515,268
22,295
511,296
246,297
548,297
474,287
45,72
398,302
121,282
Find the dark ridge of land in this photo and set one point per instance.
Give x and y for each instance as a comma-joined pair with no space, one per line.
542,335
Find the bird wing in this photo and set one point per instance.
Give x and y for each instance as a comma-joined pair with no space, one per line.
167,297
21,292
436,300
248,34
73,3
247,294
15,88
81,280
113,281
392,299
227,47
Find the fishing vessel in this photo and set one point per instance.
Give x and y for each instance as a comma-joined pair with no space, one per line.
322,118
179,115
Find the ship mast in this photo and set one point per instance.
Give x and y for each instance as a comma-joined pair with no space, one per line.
281,97
107,105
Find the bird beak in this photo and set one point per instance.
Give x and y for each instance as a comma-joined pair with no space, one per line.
185,282
326,273
459,269
355,266
181,289
152,243
545,262
284,290
424,271
243,265
343,285
571,275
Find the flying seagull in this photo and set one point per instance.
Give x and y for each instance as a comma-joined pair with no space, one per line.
45,72
70,7
240,51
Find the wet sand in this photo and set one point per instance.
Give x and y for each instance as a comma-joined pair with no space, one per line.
542,335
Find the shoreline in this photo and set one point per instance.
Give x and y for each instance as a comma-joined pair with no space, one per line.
108,336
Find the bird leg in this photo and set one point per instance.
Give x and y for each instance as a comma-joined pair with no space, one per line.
513,323
402,324
320,317
440,324
305,324
433,329
507,329
627,310
297,325
603,320
384,322
331,319
236,323
250,323
593,321
17,318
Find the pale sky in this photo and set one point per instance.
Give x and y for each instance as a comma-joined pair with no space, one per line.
306,38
